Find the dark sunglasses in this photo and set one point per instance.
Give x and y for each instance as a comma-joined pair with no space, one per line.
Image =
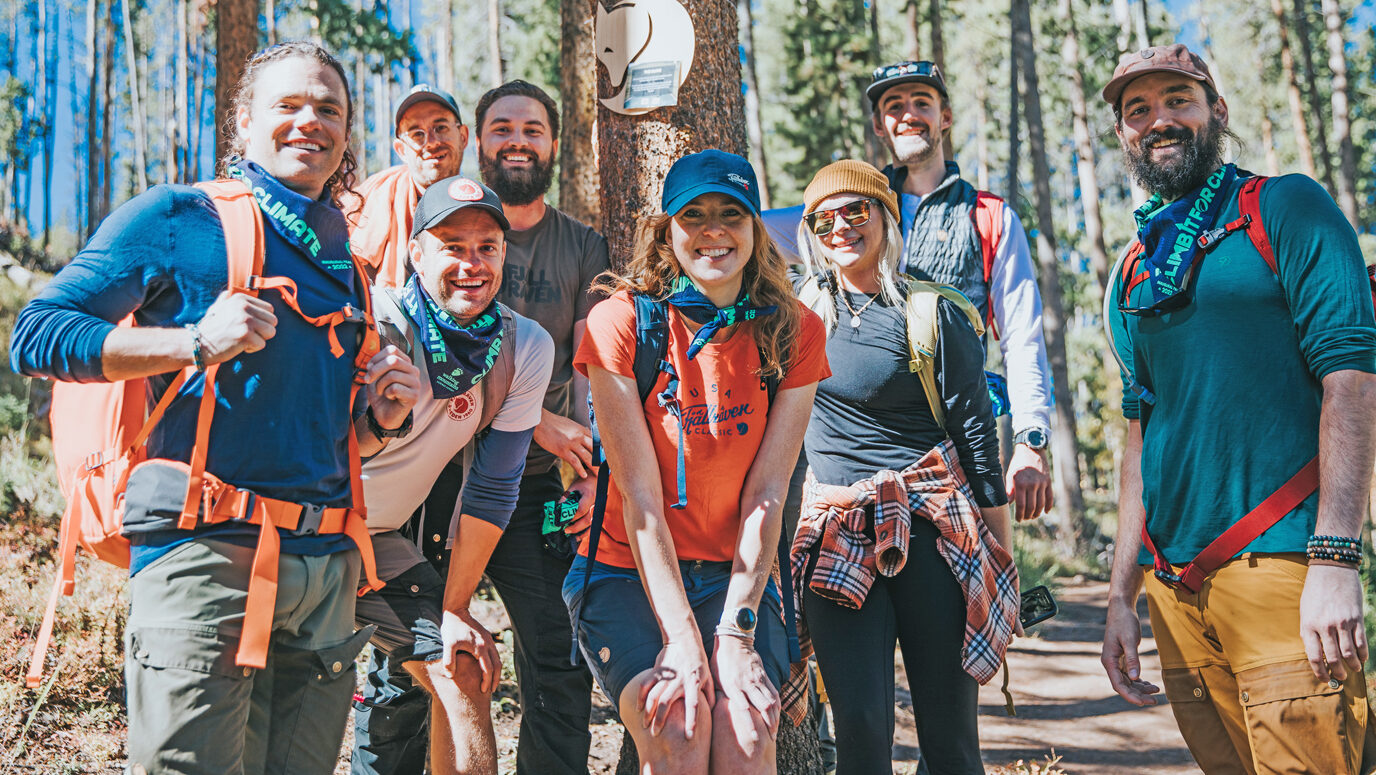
1134,275
923,69
856,213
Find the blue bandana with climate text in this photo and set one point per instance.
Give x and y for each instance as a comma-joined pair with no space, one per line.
315,227
457,356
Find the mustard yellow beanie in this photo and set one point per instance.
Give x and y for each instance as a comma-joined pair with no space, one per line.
852,177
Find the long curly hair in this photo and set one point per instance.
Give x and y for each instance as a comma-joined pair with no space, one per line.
653,270
342,181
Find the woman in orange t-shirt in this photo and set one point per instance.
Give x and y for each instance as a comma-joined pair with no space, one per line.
699,472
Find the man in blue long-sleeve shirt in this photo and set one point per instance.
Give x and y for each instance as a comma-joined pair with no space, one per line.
281,431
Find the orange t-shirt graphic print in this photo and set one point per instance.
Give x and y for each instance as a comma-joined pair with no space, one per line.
725,407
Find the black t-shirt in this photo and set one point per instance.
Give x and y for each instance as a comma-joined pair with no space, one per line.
872,413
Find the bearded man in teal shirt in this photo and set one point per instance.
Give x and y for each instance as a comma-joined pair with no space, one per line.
1236,376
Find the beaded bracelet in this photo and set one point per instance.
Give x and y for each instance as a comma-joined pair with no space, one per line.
1343,555
196,358
1335,542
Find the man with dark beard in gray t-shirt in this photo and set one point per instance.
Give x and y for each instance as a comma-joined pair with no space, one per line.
551,260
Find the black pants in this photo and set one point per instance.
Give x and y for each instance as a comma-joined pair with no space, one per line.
391,726
556,697
923,610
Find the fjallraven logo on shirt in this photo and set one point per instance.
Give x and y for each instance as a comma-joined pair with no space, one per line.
461,407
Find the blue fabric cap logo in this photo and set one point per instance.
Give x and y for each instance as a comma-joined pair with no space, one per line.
710,171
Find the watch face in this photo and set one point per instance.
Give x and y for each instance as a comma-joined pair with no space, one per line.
745,619
1036,438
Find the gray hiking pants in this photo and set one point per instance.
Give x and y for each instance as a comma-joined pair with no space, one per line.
192,711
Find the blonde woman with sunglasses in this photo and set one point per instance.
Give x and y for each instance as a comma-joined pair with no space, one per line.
913,496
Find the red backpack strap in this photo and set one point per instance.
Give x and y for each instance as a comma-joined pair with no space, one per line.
1243,532
1249,207
988,217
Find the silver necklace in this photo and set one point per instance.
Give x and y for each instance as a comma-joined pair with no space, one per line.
855,313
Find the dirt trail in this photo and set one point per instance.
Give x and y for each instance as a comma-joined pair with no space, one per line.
1065,703
1063,698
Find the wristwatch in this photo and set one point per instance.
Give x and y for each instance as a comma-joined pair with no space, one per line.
739,622
1034,438
388,433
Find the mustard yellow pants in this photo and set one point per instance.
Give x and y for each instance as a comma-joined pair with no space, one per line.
1235,672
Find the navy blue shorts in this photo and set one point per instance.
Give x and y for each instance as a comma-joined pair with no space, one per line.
620,637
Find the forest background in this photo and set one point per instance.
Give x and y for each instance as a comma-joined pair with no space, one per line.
103,98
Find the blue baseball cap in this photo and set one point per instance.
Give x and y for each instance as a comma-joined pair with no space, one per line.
710,171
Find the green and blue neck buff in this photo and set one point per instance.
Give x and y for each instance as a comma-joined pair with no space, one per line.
457,355
1174,237
315,227
694,305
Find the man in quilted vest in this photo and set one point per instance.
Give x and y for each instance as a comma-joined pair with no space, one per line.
912,114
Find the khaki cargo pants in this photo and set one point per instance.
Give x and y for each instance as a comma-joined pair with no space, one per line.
192,711
1237,679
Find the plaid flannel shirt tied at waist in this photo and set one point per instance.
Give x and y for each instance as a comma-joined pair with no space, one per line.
935,488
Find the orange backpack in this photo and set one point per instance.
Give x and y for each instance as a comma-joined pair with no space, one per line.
100,431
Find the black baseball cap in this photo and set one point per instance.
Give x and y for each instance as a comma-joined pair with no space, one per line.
450,195
424,92
905,72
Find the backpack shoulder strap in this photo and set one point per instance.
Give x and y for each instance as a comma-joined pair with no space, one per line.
811,292
243,228
989,223
651,341
1249,206
923,324
496,385
393,324
242,224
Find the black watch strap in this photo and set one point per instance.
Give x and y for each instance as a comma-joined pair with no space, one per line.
388,433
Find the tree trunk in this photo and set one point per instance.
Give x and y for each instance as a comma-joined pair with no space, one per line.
1122,16
1342,122
1084,148
578,176
236,37
1268,141
131,57
179,100
912,32
270,16
382,120
981,131
93,110
494,42
1292,90
1311,88
1064,447
1139,23
875,152
107,144
637,151
753,125
939,57
1014,110
198,97
47,103
445,61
